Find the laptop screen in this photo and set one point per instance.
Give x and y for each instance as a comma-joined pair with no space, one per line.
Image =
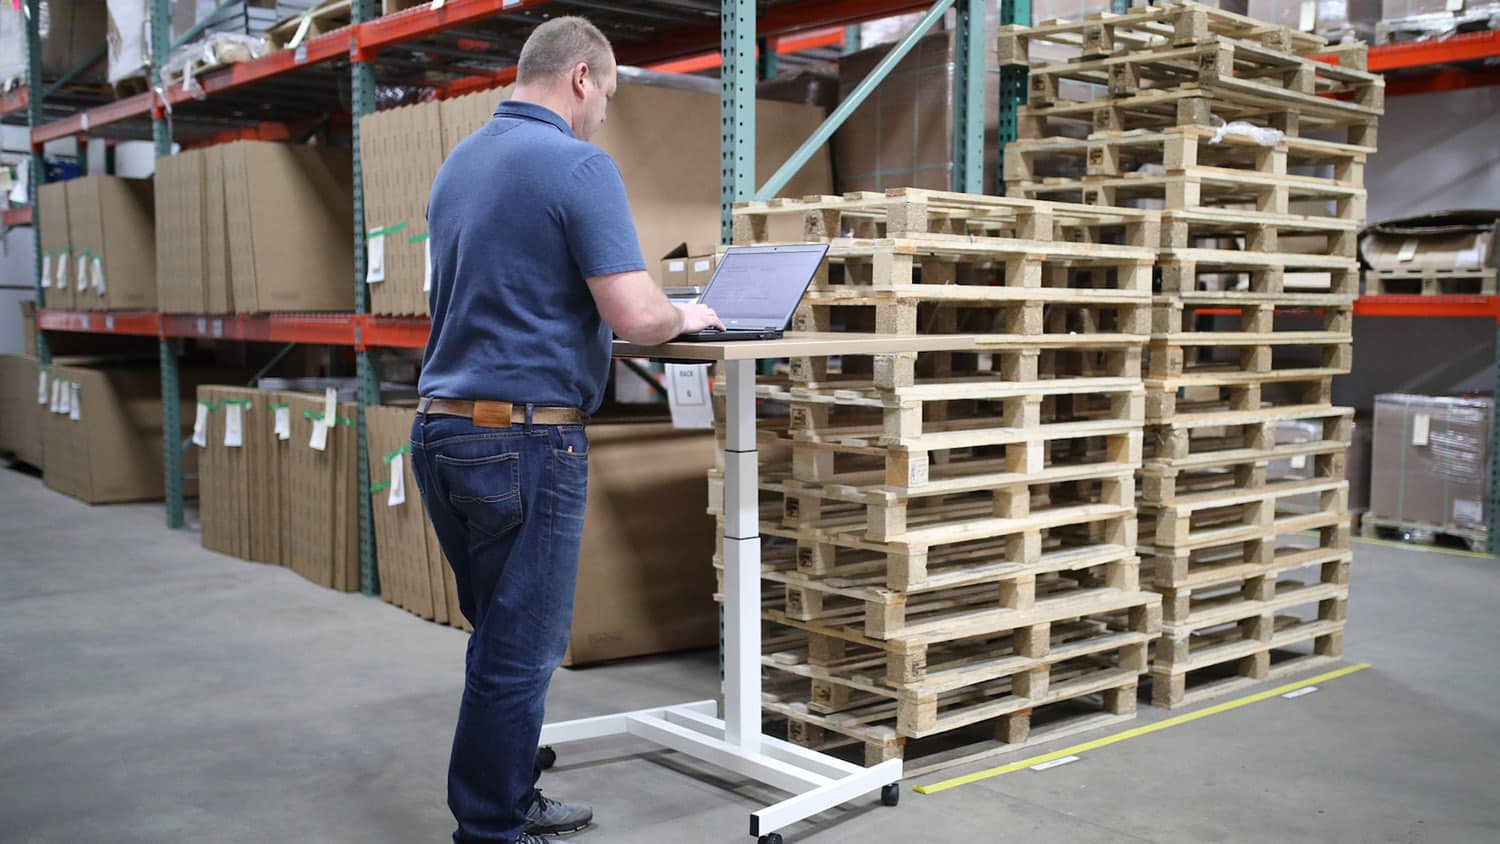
758,287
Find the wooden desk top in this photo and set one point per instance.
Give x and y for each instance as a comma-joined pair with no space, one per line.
800,344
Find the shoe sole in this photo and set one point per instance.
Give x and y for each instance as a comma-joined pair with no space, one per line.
559,830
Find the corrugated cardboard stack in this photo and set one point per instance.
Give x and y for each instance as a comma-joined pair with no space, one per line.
1208,114
1430,468
23,396
670,185
953,542
255,227
112,243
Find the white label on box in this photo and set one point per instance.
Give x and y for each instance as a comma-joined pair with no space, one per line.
75,404
41,386
283,423
61,281
52,405
1408,250
375,259
83,273
234,423
1469,510
202,326
64,397
330,406
1299,461
46,271
427,265
1420,424
200,427
99,274
1309,17
702,266
397,495
218,328
319,439
677,266
688,396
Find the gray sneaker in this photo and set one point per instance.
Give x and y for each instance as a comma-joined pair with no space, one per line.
528,838
549,817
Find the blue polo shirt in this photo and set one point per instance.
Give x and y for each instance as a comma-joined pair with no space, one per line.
520,215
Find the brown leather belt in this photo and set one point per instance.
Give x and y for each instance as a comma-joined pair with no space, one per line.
501,414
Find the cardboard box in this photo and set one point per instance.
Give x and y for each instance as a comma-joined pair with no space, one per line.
688,265
1431,457
181,233
319,506
1357,464
111,222
289,217
401,149
645,574
236,473
102,432
225,294
20,414
56,245
76,30
414,574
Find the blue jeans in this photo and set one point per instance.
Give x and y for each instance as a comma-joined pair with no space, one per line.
508,505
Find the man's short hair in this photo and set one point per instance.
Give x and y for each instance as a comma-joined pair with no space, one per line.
555,47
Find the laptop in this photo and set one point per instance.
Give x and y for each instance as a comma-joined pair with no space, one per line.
756,289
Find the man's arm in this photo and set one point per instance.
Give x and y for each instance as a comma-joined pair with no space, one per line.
636,309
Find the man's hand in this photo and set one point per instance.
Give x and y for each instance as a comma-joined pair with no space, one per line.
696,317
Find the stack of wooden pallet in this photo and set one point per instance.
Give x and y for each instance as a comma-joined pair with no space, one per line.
950,535
1204,114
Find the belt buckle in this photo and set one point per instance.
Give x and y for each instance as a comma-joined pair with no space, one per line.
492,414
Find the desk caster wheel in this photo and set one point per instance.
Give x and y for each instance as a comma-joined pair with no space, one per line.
546,757
773,838
890,795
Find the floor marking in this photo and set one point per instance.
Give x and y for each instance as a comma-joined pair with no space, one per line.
1416,546
1055,763
1136,732
1300,692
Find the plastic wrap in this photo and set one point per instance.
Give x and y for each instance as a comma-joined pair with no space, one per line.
129,39
1425,22
1431,460
218,49
1263,136
12,46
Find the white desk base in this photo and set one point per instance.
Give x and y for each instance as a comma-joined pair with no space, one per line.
819,781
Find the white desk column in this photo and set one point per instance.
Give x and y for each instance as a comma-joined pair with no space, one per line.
741,560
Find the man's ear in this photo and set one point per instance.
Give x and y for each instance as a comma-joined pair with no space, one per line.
580,75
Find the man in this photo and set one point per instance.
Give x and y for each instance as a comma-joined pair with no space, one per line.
534,260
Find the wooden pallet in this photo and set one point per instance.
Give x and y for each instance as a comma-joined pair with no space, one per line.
1199,187
914,213
1105,34
1431,281
1113,154
936,696
1244,468
1209,439
1283,278
1199,520
1249,637
1372,526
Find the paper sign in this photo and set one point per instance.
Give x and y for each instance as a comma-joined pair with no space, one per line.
1469,510
41,387
397,495
99,274
46,271
677,266
82,273
75,407
60,281
319,439
283,423
64,399
53,403
427,265
375,259
1419,428
1309,15
330,406
687,394
702,266
200,427
234,421
1408,250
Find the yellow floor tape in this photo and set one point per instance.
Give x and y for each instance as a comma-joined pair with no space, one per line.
934,788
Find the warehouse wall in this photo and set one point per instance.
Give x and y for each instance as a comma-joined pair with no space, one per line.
1430,356
1437,152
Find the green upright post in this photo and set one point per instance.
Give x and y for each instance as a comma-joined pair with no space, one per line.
38,164
1119,7
968,97
363,89
737,109
171,389
1012,82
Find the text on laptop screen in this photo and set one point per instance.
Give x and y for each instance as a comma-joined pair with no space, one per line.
760,288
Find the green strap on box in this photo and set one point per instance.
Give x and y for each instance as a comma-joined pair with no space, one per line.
405,449
383,485
417,238
385,231
208,404
281,405
244,403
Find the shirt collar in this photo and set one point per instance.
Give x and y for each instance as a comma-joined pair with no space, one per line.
532,111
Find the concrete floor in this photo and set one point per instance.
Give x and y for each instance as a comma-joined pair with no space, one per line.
151,691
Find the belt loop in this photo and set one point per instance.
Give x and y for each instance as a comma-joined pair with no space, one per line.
530,409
